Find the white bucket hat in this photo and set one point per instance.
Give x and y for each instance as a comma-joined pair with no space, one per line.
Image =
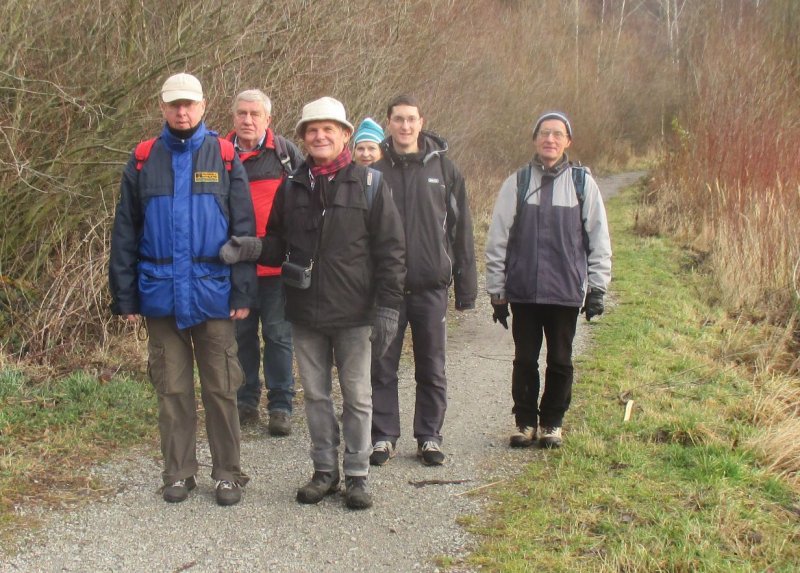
322,109
181,86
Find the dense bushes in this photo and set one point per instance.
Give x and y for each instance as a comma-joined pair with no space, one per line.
79,84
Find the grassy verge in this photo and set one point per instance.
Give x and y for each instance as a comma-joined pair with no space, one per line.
673,489
51,432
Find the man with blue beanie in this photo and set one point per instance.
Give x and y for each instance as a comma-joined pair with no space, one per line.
183,194
366,142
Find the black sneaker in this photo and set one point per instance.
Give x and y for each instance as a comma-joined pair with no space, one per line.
280,423
178,491
248,415
228,492
431,453
356,494
321,484
523,437
382,452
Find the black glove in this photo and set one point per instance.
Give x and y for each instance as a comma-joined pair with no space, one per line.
384,330
593,306
500,314
239,249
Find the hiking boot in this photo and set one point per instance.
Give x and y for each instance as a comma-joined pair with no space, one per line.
382,452
228,492
550,436
523,437
431,453
321,484
248,415
356,494
178,491
280,423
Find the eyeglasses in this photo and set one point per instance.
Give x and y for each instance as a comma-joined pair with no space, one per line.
557,135
400,120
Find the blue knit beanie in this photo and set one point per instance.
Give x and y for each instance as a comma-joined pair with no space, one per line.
368,130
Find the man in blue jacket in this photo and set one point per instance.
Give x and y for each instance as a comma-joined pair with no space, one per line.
182,195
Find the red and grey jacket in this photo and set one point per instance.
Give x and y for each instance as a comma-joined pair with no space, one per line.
265,172
175,211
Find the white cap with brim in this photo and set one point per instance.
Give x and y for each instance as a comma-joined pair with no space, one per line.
322,109
181,86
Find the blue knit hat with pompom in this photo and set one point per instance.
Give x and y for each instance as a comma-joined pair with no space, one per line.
368,130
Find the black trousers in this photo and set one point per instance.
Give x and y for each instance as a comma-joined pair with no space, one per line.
531,324
426,313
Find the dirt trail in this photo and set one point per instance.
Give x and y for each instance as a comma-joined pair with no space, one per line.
412,522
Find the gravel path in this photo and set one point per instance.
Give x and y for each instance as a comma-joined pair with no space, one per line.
411,523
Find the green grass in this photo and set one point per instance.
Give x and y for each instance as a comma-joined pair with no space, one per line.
50,433
673,489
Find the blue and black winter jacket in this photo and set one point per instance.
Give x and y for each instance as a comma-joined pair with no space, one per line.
173,216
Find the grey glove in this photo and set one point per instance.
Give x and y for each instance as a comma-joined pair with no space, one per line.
239,249
383,330
594,304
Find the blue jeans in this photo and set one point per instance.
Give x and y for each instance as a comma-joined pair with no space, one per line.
351,351
277,357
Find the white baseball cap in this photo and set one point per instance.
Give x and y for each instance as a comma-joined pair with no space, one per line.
322,109
181,86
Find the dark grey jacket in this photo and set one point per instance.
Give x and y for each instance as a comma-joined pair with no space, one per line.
432,200
358,248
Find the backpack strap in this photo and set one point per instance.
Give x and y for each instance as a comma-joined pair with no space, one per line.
283,153
579,179
523,182
143,149
228,152
373,184
142,152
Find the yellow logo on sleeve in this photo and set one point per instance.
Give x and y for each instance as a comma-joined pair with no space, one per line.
206,177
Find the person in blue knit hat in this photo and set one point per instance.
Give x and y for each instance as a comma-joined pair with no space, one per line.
366,142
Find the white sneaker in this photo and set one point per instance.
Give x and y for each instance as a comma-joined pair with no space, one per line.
382,452
523,437
550,436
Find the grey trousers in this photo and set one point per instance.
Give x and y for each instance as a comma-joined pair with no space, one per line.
171,356
315,351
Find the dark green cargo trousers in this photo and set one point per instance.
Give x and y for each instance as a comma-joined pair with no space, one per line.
172,353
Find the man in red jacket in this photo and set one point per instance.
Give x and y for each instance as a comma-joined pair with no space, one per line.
267,158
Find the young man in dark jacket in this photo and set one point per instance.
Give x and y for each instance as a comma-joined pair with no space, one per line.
177,206
341,241
268,158
431,197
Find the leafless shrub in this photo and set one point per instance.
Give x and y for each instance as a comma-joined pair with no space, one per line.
78,89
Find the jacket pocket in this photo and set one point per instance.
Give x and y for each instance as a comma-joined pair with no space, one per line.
211,289
156,290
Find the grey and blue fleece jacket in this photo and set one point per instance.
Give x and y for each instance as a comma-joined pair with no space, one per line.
173,216
557,246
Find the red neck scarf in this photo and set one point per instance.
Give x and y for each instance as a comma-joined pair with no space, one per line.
345,158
